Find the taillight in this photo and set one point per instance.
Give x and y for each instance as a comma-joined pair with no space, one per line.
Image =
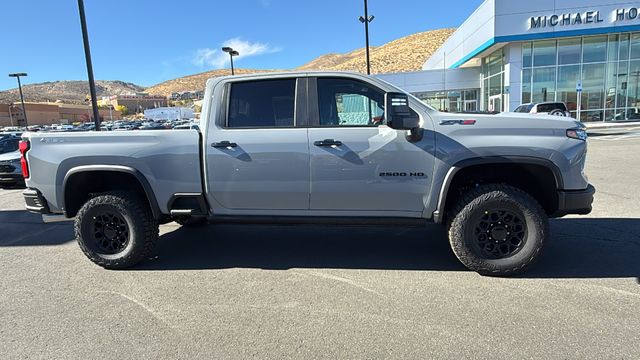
24,147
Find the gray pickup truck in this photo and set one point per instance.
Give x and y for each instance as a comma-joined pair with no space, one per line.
317,147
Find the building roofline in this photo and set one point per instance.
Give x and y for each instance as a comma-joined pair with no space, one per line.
542,36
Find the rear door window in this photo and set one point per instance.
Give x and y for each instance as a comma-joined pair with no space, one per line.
264,103
551,106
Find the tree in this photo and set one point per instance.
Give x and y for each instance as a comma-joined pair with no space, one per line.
123,109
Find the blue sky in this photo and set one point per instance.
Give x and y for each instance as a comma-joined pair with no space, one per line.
147,42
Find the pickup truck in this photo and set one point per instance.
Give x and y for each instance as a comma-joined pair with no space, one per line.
317,147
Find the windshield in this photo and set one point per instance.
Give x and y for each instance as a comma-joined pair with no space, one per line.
8,145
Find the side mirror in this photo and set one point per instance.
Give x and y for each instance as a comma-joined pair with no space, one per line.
398,113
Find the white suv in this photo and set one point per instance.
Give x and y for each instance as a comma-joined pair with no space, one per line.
546,108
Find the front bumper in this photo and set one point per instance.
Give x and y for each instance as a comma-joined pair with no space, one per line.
577,202
35,202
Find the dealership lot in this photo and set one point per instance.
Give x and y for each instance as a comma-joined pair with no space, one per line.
330,292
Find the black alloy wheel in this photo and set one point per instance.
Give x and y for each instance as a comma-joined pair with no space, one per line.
497,230
110,232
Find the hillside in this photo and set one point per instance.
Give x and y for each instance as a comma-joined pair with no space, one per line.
194,82
405,54
408,53
70,92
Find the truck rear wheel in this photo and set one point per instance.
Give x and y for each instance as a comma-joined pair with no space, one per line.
498,230
116,230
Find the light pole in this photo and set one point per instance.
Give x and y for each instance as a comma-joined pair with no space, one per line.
24,110
366,19
231,53
87,55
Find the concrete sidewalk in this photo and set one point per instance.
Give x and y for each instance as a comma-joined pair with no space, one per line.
612,128
611,125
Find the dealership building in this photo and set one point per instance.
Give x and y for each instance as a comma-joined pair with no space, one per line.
585,53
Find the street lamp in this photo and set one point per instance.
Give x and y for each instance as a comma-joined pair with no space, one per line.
24,111
87,55
231,53
366,19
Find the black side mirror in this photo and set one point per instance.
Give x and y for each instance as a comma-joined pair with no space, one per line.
398,113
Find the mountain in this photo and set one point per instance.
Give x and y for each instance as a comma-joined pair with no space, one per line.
405,54
194,82
70,92
408,53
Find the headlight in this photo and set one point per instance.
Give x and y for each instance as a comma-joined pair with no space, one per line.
578,134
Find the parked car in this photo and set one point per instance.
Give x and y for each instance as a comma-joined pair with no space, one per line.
152,126
187,127
301,148
10,167
545,108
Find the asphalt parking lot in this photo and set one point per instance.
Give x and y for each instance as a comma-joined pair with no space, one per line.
330,292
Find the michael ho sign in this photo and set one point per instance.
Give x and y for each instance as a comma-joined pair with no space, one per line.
583,18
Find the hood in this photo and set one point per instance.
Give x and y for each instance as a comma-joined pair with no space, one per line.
513,120
10,156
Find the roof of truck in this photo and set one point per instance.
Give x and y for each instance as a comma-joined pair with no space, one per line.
286,74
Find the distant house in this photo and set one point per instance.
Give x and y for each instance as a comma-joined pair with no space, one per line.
169,113
135,103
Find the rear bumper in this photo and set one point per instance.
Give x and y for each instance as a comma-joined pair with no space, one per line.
35,202
577,202
11,178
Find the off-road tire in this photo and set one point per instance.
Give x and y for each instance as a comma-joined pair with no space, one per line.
476,202
143,229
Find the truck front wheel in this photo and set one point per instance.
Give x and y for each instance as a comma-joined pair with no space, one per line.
498,230
116,230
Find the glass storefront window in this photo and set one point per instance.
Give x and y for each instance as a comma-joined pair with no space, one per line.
593,86
635,46
526,86
591,115
568,77
451,101
492,75
569,51
594,49
494,63
526,55
621,94
614,47
495,85
632,89
544,84
544,53
610,86
624,47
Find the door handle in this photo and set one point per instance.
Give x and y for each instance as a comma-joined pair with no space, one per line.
224,144
327,142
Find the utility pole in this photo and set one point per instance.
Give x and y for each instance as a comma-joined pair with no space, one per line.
366,19
10,115
24,110
87,55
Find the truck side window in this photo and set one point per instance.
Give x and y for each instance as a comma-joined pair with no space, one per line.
346,102
265,103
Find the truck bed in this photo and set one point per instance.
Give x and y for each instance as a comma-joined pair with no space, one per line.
169,160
